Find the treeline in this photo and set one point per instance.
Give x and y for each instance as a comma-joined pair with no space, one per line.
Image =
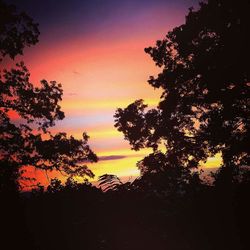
204,110
127,216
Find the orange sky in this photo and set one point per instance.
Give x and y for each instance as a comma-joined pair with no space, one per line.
102,71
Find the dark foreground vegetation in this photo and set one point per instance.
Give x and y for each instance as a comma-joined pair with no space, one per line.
83,217
204,110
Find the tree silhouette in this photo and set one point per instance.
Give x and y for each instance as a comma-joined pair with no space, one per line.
204,107
27,112
17,30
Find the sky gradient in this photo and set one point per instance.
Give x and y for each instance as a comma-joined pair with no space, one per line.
96,50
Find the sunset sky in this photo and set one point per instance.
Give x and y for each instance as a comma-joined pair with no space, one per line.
96,50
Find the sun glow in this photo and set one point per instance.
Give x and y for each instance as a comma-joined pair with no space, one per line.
102,66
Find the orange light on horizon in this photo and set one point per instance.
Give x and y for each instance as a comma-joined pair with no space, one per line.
101,70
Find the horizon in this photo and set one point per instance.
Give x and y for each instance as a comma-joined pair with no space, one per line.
96,51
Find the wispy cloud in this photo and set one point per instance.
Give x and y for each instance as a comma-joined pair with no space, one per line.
111,157
76,72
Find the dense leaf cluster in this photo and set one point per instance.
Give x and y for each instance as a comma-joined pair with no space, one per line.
205,82
17,30
28,110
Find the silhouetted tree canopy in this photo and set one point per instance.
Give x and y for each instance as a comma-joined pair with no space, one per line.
26,114
27,111
205,82
204,109
17,30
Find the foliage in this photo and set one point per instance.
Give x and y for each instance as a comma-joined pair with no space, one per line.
26,114
74,215
109,182
168,206
28,110
204,107
17,30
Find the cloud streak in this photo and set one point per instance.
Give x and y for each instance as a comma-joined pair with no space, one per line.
95,49
111,157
